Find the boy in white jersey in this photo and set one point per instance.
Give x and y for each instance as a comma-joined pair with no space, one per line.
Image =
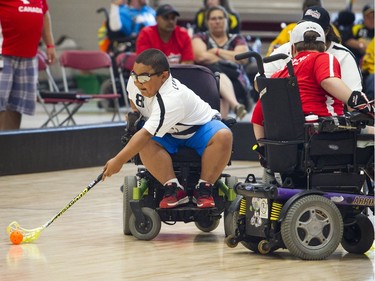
176,117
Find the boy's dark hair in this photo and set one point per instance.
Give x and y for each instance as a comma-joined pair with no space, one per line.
154,58
310,43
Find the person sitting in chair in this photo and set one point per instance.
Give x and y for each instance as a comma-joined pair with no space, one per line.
167,36
176,117
216,49
321,89
132,17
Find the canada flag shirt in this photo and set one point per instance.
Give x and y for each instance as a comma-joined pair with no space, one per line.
21,24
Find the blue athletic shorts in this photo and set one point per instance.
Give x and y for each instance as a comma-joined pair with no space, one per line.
18,84
198,141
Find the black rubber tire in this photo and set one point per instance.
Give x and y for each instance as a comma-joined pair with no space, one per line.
207,225
230,241
230,222
150,229
358,237
129,183
106,88
230,225
312,228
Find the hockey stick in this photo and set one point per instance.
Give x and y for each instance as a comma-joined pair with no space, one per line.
30,235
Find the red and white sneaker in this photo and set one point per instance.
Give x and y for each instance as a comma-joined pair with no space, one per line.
202,196
173,196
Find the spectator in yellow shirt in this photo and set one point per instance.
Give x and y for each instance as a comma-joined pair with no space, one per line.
361,34
368,70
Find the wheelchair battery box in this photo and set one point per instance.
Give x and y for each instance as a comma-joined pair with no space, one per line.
188,214
257,216
332,144
338,182
332,150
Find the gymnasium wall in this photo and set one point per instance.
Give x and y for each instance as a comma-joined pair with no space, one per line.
55,149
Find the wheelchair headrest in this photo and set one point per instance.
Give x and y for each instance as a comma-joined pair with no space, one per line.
200,80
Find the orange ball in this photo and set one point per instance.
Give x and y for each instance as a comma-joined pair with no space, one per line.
16,237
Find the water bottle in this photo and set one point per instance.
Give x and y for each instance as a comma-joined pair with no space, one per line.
257,45
190,29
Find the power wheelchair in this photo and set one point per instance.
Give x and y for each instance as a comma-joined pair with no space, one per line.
142,193
323,187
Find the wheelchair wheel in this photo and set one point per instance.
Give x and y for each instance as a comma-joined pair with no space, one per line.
231,216
230,222
148,230
130,182
106,88
230,226
359,236
207,225
312,228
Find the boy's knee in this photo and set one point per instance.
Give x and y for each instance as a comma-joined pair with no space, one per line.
224,137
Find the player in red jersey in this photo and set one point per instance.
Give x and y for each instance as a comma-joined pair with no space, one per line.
318,75
22,24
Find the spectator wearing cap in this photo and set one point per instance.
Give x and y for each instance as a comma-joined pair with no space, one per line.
173,40
361,34
350,72
321,89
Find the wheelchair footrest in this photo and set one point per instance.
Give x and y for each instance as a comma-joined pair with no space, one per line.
187,213
261,190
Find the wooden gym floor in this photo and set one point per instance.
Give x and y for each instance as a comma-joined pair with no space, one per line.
86,243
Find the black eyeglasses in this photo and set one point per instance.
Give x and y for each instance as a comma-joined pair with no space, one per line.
144,77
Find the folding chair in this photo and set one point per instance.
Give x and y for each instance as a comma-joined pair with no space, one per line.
125,62
61,102
91,61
